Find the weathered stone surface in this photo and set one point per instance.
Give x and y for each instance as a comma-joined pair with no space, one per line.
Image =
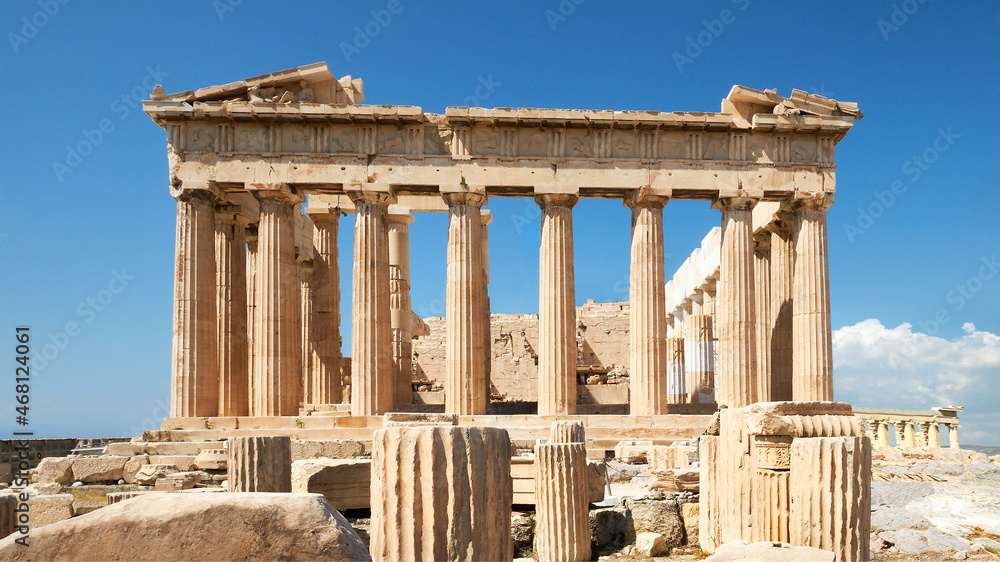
345,483
608,529
178,481
8,518
186,527
769,552
651,544
55,469
45,509
661,457
260,464
658,516
182,462
397,419
212,459
332,449
522,531
562,489
457,477
690,515
632,452
830,491
47,488
115,497
132,467
150,473
567,432
98,469
597,471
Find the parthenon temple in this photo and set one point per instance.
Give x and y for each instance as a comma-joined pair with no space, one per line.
262,170
257,325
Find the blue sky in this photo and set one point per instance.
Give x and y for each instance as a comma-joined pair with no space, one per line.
87,223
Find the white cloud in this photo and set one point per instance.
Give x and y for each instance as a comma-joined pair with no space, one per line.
878,367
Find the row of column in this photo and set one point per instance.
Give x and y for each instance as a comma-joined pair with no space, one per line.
911,433
255,332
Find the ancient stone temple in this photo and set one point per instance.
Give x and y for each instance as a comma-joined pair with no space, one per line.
256,323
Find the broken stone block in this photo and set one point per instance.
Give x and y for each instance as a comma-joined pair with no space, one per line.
690,515
47,488
345,483
661,457
562,488
55,469
98,469
567,432
657,516
186,526
115,497
260,464
178,481
150,473
651,544
522,531
608,528
48,509
211,459
596,471
183,463
632,452
396,419
132,466
456,477
332,449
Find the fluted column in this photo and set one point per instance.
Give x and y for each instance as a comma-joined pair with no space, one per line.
933,436
900,434
735,309
371,335
782,260
647,302
909,436
699,352
830,491
562,522
953,436
762,300
445,493
231,306
326,387
259,464
195,357
399,306
251,237
486,218
277,379
556,307
305,273
812,356
881,434
465,391
677,389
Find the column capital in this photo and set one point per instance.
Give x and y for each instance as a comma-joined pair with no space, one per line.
726,204
762,241
377,197
326,214
782,224
485,217
645,197
275,192
556,199
206,192
251,232
810,201
464,198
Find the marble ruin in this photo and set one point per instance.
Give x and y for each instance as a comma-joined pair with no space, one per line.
475,420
